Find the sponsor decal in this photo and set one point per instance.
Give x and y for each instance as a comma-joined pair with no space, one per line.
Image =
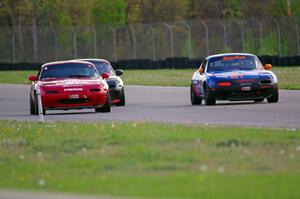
73,96
245,80
228,58
73,89
245,84
71,83
246,88
236,76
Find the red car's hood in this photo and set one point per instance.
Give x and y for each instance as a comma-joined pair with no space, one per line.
70,82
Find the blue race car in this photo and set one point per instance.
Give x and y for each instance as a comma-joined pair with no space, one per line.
234,77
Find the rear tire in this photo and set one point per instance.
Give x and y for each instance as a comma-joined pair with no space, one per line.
122,98
106,107
209,100
195,100
275,97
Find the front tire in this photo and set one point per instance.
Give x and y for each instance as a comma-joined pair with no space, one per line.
275,97
33,106
209,100
106,108
122,98
195,100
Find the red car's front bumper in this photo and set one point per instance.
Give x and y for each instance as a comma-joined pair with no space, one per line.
73,100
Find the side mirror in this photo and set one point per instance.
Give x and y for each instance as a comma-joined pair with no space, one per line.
119,72
268,66
105,75
32,78
201,70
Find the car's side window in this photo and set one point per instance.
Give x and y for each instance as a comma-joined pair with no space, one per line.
259,64
39,72
203,66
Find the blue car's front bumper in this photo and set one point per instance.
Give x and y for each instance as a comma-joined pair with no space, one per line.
237,94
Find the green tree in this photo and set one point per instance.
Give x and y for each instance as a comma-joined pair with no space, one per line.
107,12
285,8
149,11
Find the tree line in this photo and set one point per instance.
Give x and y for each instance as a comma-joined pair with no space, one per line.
95,12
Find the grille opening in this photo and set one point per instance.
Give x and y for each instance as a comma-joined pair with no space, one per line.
95,90
266,81
51,92
73,101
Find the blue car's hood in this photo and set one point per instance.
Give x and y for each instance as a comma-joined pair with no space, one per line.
240,74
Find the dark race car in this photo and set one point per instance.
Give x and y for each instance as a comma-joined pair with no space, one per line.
69,85
115,83
234,77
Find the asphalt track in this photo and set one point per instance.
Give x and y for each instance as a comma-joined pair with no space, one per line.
164,104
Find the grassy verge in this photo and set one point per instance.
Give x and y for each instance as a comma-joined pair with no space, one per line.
151,160
288,77
16,77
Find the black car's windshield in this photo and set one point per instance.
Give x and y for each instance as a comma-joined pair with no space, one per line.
68,70
230,63
103,67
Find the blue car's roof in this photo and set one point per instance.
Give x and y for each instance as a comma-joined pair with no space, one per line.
230,54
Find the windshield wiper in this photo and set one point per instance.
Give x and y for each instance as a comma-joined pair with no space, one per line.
78,76
49,78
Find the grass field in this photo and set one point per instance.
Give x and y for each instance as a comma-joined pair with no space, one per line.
289,77
151,160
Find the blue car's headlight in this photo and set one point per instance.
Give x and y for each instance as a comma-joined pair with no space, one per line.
274,79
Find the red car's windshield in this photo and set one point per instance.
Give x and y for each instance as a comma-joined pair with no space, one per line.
68,70
235,62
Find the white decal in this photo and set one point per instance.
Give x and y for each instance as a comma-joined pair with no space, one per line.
73,89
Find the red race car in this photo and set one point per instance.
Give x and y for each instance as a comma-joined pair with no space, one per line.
69,85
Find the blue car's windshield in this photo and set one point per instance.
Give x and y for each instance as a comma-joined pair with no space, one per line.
230,63
68,70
